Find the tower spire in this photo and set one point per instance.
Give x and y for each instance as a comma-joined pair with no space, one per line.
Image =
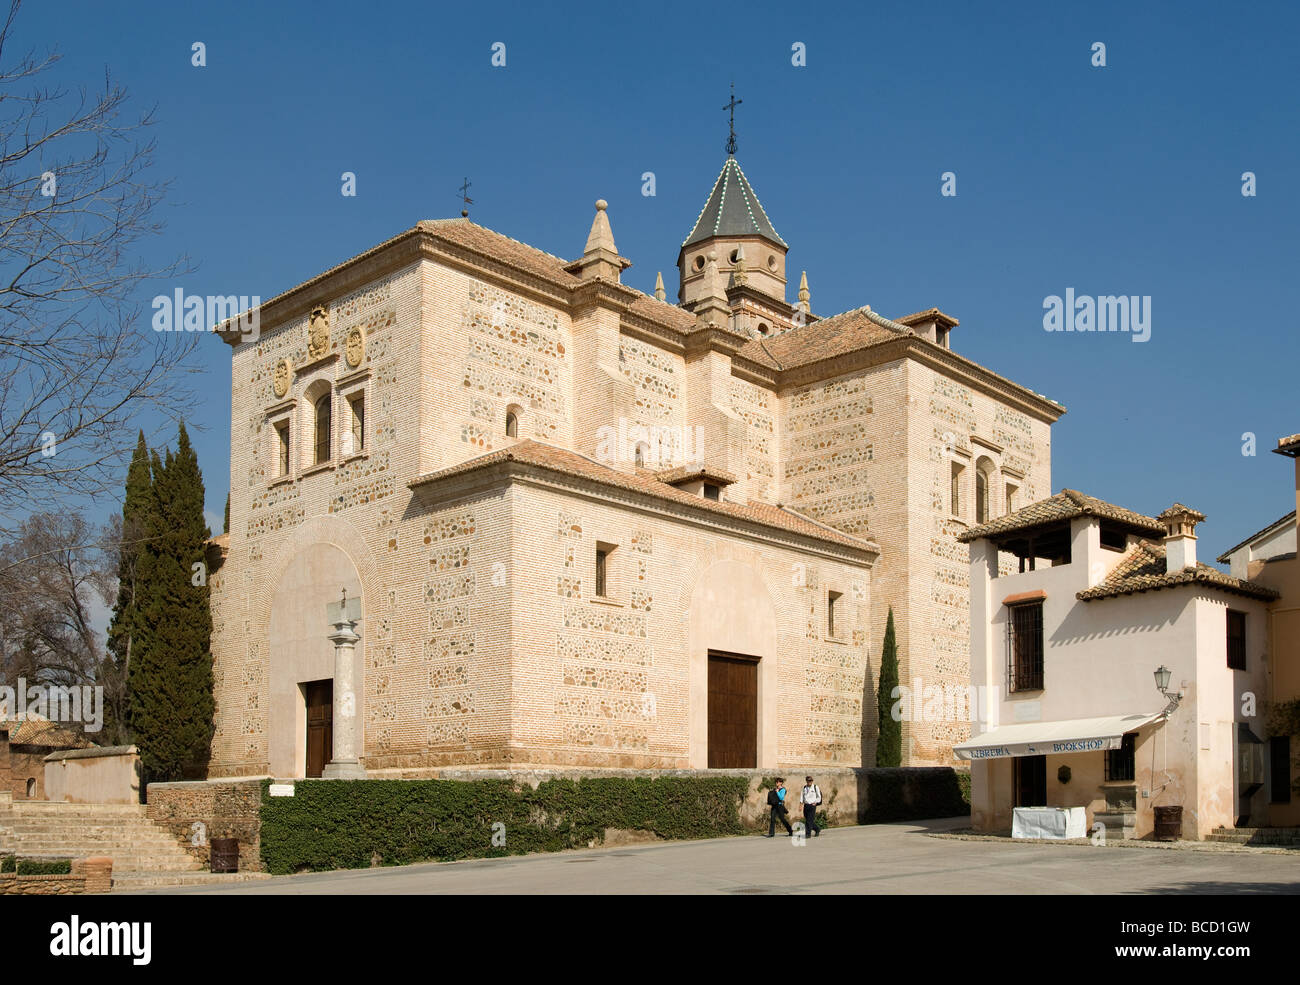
731,106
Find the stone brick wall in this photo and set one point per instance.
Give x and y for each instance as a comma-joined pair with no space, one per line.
89,875
447,353
225,809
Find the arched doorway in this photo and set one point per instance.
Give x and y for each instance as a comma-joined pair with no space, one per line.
301,660
733,646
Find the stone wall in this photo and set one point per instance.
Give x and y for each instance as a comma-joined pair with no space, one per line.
89,875
224,809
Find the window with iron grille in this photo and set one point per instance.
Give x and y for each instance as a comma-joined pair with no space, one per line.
1236,640
1025,647
1121,762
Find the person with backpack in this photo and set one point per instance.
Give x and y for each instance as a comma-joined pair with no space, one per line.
776,801
810,796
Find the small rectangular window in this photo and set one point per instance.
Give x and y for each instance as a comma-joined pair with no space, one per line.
954,493
1236,640
1121,762
1113,539
1011,498
357,404
711,491
1025,647
831,599
282,447
602,570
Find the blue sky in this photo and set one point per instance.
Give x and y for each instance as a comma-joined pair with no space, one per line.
1117,180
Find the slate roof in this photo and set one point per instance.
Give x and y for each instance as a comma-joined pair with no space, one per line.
570,463
1065,505
732,209
1143,570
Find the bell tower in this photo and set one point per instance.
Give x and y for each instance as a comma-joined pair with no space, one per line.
734,226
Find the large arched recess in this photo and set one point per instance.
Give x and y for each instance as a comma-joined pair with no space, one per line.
314,569
731,610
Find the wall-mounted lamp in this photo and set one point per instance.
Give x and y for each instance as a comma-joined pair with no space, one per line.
1162,685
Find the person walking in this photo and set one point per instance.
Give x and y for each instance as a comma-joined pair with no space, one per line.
776,801
811,797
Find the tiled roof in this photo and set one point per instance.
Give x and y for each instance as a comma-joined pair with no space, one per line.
1289,518
684,473
732,209
1065,505
926,315
33,731
483,240
570,463
824,339
661,311
1143,570
1290,445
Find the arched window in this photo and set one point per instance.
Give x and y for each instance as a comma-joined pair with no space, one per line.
984,473
323,408
512,425
31,788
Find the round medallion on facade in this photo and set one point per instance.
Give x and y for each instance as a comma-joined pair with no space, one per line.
356,347
282,374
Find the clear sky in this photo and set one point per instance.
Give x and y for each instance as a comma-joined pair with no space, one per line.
1123,179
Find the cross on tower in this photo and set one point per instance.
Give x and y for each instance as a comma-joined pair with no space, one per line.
464,196
731,140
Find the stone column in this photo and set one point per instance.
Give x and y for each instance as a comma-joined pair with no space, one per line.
344,764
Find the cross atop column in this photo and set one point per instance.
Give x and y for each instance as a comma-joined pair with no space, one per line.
464,196
731,106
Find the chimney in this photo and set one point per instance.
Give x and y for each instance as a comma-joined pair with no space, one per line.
1180,538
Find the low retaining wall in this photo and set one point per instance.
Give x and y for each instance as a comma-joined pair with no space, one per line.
107,775
89,875
233,808
224,809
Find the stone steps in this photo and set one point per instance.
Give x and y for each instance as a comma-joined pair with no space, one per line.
1282,837
123,832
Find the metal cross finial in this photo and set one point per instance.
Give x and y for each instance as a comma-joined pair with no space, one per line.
464,196
731,140
344,600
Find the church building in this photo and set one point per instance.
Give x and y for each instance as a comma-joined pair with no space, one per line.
587,527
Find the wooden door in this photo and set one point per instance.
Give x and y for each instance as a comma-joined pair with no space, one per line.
320,726
733,711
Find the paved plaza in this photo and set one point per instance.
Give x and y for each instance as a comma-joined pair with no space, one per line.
877,859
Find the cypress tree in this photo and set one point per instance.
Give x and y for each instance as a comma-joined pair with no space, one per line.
225,527
889,741
123,628
171,681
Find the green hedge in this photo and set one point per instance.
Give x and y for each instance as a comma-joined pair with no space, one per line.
44,867
348,824
7,863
